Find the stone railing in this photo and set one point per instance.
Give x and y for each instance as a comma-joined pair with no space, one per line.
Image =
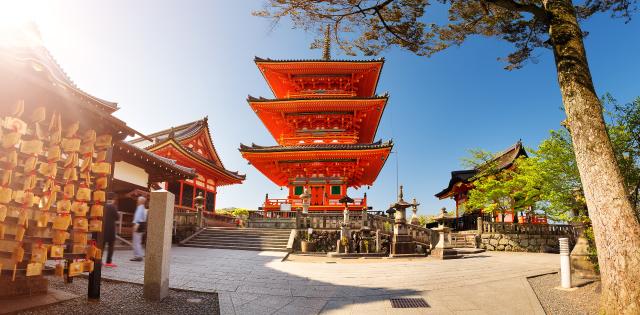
526,228
421,234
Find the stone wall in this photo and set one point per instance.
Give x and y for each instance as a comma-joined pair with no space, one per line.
520,242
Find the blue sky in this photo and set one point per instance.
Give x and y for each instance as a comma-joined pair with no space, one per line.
171,62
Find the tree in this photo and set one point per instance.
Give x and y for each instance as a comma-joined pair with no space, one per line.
375,25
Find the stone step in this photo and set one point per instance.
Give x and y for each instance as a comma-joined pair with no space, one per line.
245,234
229,246
253,244
278,237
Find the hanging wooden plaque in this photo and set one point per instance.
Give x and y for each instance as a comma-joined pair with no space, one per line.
34,269
75,268
62,222
57,251
95,225
96,211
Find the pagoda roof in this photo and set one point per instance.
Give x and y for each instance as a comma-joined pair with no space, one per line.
317,147
159,168
259,59
502,160
353,164
364,125
278,73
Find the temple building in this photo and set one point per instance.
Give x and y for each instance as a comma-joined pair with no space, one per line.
324,118
461,183
190,145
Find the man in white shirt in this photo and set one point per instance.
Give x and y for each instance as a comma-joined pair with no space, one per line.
139,228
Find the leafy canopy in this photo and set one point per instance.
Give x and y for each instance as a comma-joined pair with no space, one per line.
371,26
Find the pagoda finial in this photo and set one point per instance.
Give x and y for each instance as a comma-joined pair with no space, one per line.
401,195
326,50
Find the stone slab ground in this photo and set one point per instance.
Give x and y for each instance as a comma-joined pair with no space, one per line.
250,282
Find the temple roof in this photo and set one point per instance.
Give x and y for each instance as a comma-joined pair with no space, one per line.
502,160
28,47
317,147
150,160
259,59
176,136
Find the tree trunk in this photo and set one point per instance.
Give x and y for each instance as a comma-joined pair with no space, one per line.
617,232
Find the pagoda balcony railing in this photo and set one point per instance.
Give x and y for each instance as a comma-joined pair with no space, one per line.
297,203
328,94
348,137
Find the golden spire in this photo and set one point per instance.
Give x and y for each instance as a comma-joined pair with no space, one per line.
326,50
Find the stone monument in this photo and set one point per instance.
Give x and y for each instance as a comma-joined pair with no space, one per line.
158,250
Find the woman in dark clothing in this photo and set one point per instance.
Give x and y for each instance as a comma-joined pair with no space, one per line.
110,218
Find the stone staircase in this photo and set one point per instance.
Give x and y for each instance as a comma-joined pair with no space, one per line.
241,238
463,240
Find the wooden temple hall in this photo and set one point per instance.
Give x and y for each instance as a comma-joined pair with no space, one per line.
324,118
461,183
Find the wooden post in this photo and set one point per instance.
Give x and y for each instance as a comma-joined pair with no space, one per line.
95,277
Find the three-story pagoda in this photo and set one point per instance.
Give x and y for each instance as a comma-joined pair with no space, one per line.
324,117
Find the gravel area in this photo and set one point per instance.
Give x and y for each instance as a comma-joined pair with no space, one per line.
584,300
126,298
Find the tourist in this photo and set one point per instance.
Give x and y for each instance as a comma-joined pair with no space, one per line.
110,218
139,228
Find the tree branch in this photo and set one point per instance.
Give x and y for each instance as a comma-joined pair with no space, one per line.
511,5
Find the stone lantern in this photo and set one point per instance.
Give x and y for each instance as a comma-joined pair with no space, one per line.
401,241
414,214
443,249
199,203
306,200
344,227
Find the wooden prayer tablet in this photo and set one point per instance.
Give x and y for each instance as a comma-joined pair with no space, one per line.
30,164
75,268
3,212
89,136
101,168
69,190
23,217
18,108
10,139
96,211
18,254
59,270
71,129
29,182
79,209
86,164
79,249
70,144
23,197
80,238
94,252
87,266
5,194
80,224
2,229
5,180
54,153
48,169
70,174
10,159
103,141
60,237
31,146
42,219
71,160
99,196
38,115
57,251
41,132
95,225
84,194
34,269
20,230
39,254
63,206
101,182
62,222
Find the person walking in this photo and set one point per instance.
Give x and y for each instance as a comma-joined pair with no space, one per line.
110,218
139,228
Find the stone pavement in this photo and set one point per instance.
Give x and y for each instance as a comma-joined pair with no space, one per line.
260,283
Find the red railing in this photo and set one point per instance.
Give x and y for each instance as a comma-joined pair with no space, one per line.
297,203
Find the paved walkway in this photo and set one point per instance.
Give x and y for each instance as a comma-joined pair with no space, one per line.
259,283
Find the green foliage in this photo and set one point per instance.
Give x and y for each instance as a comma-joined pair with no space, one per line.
425,219
593,252
233,211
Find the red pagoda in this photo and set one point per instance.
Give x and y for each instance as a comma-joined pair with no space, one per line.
324,118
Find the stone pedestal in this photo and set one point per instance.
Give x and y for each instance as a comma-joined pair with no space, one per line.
158,251
22,286
443,249
401,243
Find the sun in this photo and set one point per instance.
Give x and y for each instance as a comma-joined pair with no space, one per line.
17,18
